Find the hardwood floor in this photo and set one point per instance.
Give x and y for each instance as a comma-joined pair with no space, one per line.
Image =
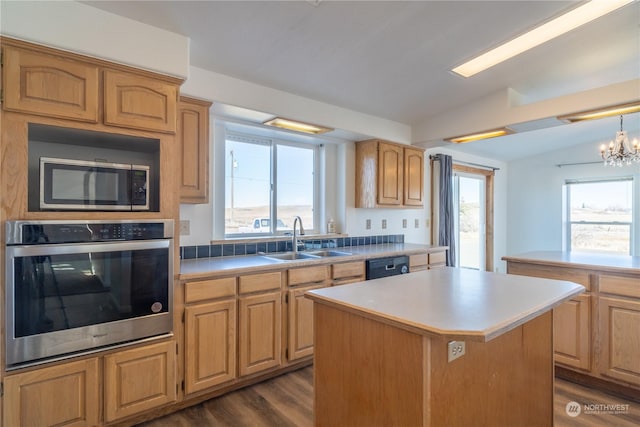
288,401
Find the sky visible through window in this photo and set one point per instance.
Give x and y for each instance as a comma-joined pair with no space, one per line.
600,216
248,185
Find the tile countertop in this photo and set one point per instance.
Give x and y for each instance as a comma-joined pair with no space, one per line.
591,261
455,303
204,267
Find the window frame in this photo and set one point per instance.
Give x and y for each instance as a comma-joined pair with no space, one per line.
567,211
273,143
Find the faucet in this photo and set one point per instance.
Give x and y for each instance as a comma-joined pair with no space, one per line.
294,239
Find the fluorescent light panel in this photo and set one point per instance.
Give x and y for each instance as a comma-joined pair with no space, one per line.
613,110
297,126
552,29
480,135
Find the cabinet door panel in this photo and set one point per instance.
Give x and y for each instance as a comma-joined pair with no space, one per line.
193,135
348,270
139,103
413,177
66,394
139,379
619,326
46,85
308,275
211,344
260,323
572,332
300,332
390,174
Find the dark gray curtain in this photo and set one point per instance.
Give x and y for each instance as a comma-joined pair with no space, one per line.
446,235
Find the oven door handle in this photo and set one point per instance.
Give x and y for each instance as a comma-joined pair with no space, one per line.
79,248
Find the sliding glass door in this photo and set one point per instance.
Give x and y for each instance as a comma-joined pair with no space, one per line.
469,213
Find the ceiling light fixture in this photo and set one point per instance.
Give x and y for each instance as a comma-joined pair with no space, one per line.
620,152
613,110
545,32
297,126
480,135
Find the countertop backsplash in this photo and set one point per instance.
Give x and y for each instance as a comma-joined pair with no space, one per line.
236,249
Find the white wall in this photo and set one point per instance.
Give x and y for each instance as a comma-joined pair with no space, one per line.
84,29
535,195
240,93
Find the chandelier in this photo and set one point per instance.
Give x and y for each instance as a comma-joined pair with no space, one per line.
620,152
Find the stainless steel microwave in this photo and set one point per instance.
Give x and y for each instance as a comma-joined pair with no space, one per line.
67,184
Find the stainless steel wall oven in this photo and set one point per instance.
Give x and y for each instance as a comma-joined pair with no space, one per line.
78,286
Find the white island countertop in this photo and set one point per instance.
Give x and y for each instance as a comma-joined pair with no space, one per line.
450,302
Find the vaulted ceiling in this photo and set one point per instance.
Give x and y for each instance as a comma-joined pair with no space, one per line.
392,59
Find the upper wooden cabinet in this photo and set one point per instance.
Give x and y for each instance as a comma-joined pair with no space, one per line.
53,83
389,175
138,102
48,85
413,176
193,137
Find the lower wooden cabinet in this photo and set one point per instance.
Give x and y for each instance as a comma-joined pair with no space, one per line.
572,332
348,272
259,332
595,333
210,343
437,259
139,379
61,395
619,327
418,262
300,322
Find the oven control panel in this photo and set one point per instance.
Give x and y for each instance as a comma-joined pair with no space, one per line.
45,232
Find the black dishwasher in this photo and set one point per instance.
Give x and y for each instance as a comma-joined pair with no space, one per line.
389,266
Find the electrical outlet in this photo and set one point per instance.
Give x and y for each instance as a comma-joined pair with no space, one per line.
368,226
455,349
404,223
384,224
416,223
185,227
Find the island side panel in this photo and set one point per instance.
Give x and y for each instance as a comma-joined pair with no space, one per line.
365,372
506,381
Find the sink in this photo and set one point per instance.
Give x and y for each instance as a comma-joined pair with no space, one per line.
329,253
291,256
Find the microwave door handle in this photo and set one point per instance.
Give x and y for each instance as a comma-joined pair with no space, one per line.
86,182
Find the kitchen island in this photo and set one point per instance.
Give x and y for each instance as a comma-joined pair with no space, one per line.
438,347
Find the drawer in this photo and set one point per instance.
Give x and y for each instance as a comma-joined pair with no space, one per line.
314,274
550,272
259,282
348,269
418,260
620,285
438,258
209,289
